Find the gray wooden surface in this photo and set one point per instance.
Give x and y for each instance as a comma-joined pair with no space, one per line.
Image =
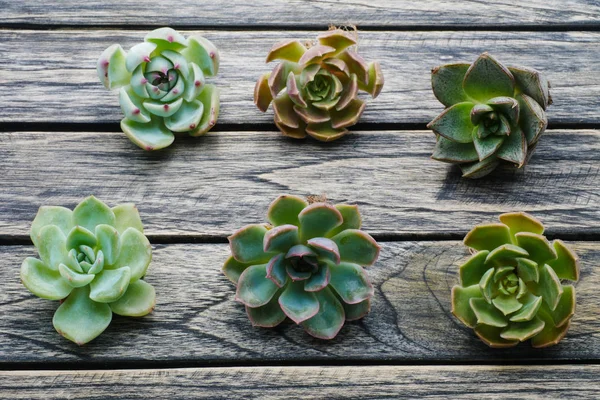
59,142
270,383
61,86
314,13
197,321
213,185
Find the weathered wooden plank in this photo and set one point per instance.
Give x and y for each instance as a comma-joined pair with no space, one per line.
215,184
49,76
316,13
438,382
196,320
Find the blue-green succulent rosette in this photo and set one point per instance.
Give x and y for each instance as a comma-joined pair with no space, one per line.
306,265
162,87
93,260
493,114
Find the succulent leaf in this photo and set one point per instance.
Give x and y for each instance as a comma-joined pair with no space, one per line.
247,244
357,247
232,269
325,248
446,82
209,98
290,50
43,281
488,237
277,270
254,289
262,93
472,270
455,123
298,304
317,219
80,236
110,284
328,321
319,280
350,282
566,264
357,311
52,246
486,78
511,293
74,279
285,210
111,67
533,84
203,53
450,151
280,238
151,136
81,319
51,215
138,300
268,316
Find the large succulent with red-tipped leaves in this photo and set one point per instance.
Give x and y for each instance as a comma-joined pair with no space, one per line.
307,264
314,88
510,289
162,86
494,114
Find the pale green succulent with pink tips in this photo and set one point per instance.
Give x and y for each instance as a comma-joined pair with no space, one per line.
93,259
511,289
162,86
314,88
306,265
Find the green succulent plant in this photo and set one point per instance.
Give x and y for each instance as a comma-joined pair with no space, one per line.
314,88
162,86
93,260
493,114
510,289
307,264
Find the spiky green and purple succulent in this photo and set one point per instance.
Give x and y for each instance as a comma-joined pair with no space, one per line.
510,289
93,259
493,114
314,89
162,86
307,264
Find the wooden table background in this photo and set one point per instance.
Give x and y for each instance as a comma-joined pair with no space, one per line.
60,141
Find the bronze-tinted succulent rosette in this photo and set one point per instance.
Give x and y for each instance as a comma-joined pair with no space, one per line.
314,88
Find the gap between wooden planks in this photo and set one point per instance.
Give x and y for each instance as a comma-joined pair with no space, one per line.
50,76
197,323
206,188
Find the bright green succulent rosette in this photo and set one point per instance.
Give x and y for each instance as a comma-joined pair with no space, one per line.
511,289
493,114
307,264
93,260
314,89
162,86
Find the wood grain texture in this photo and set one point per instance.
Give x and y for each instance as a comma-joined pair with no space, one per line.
50,76
290,14
197,323
215,184
394,382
